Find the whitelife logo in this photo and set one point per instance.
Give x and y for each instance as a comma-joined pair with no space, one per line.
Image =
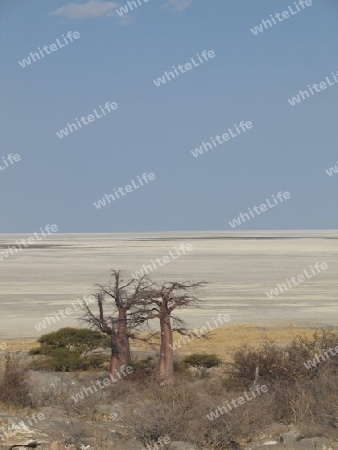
332,170
56,316
138,274
70,35
3,346
10,159
206,146
129,188
282,287
125,370
318,359
162,80
21,427
90,119
125,10
284,14
316,87
159,444
30,241
241,219
263,389
200,332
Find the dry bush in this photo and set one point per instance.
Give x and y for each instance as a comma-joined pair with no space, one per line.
296,395
14,387
240,425
54,394
163,412
180,412
281,364
269,359
311,402
304,349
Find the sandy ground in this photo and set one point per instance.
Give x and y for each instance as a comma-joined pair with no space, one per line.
240,268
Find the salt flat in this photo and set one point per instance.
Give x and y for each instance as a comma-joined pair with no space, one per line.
239,266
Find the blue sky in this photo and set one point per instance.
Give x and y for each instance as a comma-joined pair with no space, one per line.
154,128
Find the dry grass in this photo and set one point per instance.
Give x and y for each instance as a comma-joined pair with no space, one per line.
18,345
224,340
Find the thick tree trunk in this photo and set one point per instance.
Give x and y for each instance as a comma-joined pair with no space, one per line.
164,371
120,348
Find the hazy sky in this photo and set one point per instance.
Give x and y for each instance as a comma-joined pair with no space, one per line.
154,128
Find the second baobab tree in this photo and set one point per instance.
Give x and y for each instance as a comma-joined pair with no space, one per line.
160,302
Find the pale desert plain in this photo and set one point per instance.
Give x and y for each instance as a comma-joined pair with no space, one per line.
240,267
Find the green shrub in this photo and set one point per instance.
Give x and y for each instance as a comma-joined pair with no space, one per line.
202,362
68,349
73,338
36,351
63,360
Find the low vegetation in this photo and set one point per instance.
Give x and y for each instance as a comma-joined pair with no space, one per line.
70,349
306,397
202,362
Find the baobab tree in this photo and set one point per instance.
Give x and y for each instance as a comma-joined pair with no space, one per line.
160,302
116,315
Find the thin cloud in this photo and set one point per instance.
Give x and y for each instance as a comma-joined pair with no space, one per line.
177,5
126,20
89,10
